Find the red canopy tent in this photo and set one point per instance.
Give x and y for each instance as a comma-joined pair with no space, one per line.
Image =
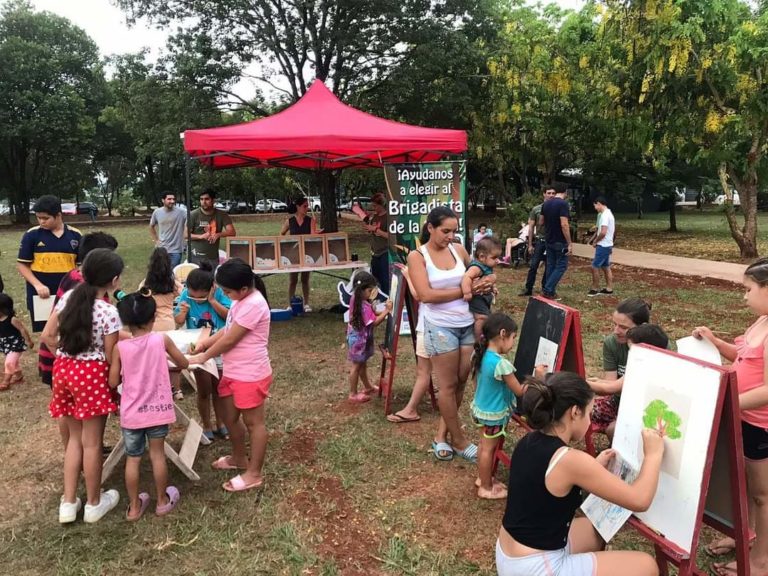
319,132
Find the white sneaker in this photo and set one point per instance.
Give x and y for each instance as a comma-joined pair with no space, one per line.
68,510
108,500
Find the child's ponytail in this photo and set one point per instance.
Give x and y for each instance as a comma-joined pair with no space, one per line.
361,282
492,327
99,269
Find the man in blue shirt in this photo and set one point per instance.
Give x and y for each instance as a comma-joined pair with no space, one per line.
555,215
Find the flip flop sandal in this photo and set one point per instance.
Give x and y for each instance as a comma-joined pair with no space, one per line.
225,463
709,549
399,419
438,447
371,391
222,432
173,499
143,504
723,570
209,435
469,453
237,484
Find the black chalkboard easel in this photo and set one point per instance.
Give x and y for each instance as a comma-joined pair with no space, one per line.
557,323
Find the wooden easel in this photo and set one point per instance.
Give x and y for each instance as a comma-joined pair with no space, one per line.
723,501
401,299
546,318
184,459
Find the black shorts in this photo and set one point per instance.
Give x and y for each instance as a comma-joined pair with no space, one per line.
481,304
755,441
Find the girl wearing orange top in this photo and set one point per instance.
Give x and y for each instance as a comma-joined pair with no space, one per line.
748,354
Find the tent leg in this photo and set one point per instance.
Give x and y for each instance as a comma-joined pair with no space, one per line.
188,202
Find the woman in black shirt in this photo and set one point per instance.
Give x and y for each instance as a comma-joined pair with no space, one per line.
298,224
539,535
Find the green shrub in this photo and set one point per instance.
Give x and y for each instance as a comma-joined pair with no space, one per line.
517,213
126,205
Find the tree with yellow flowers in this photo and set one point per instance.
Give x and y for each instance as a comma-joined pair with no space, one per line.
698,71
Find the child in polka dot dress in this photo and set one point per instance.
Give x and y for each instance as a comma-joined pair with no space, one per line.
83,329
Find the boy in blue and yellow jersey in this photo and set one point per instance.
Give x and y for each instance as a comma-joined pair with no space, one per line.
46,253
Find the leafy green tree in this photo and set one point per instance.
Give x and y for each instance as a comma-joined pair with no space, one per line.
350,44
153,107
697,72
544,91
659,417
51,92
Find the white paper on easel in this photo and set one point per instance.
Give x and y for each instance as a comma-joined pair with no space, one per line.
606,517
546,354
699,348
42,308
678,397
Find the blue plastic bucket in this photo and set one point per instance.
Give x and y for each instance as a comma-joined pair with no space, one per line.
297,306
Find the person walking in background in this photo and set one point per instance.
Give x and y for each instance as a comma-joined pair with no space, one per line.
603,243
377,225
207,226
168,228
47,253
537,245
555,215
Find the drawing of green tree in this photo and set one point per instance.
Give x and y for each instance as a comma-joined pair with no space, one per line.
659,417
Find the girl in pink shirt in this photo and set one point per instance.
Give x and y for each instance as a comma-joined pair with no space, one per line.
146,405
748,356
247,374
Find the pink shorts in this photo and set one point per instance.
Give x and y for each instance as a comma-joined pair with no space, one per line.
245,395
80,389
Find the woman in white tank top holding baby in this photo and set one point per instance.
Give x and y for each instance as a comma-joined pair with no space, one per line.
436,270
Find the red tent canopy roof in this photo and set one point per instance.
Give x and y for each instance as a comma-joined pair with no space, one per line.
321,132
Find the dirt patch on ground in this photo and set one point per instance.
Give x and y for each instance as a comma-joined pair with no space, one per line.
340,530
450,506
300,446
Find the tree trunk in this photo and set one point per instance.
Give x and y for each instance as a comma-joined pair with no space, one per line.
673,217
746,186
326,183
500,177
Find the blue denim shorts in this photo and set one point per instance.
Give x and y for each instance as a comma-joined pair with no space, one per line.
602,257
136,440
441,340
555,562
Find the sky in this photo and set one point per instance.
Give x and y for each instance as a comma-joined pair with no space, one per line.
106,25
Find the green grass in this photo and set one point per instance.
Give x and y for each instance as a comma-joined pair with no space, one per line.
347,492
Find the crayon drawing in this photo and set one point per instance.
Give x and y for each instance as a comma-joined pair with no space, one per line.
670,417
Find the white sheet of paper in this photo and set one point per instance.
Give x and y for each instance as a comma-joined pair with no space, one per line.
546,354
606,517
700,349
42,308
184,338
